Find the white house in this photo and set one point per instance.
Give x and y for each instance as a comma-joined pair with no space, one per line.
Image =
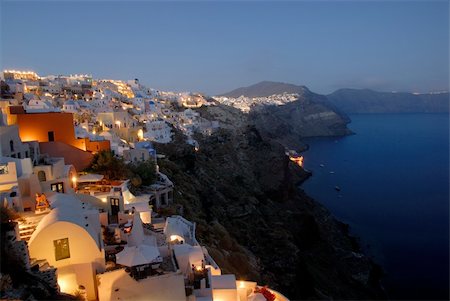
69,238
71,106
158,131
39,105
55,175
118,146
10,143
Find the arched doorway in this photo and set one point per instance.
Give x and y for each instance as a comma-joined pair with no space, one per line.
41,176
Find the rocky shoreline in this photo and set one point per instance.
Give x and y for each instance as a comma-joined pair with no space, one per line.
242,191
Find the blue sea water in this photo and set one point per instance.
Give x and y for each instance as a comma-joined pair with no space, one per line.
394,180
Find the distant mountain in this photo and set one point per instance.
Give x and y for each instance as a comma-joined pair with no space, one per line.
369,101
265,88
309,116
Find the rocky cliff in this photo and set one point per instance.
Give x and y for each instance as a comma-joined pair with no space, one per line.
369,101
311,115
241,190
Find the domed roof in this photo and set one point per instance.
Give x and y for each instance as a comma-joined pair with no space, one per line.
65,208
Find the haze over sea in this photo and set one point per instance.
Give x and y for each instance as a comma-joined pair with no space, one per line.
394,181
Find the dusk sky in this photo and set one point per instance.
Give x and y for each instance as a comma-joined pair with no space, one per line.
216,47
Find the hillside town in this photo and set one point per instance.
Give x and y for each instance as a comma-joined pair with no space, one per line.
245,104
79,232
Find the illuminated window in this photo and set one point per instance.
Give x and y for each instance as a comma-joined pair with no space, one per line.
57,187
61,248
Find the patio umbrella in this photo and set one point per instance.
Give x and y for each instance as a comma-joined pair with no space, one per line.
137,255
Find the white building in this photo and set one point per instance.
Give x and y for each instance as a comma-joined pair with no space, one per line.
38,106
158,131
118,146
10,143
136,155
69,238
54,175
71,106
119,285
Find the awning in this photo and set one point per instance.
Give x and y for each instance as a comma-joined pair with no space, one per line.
133,256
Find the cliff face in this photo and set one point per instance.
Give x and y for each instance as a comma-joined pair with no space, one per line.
241,190
368,101
310,115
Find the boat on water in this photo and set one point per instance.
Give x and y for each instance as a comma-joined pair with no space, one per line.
332,172
321,165
337,188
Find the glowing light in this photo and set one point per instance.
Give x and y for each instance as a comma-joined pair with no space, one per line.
140,134
297,160
241,284
19,72
175,237
198,268
67,283
74,181
63,285
94,132
118,123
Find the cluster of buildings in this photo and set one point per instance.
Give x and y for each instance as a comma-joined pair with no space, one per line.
122,112
245,104
81,233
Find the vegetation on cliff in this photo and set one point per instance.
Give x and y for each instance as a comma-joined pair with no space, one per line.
115,168
241,190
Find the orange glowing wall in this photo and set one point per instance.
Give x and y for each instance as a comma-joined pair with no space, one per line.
96,146
39,126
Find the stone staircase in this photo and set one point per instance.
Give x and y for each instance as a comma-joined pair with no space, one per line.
26,231
27,228
42,263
